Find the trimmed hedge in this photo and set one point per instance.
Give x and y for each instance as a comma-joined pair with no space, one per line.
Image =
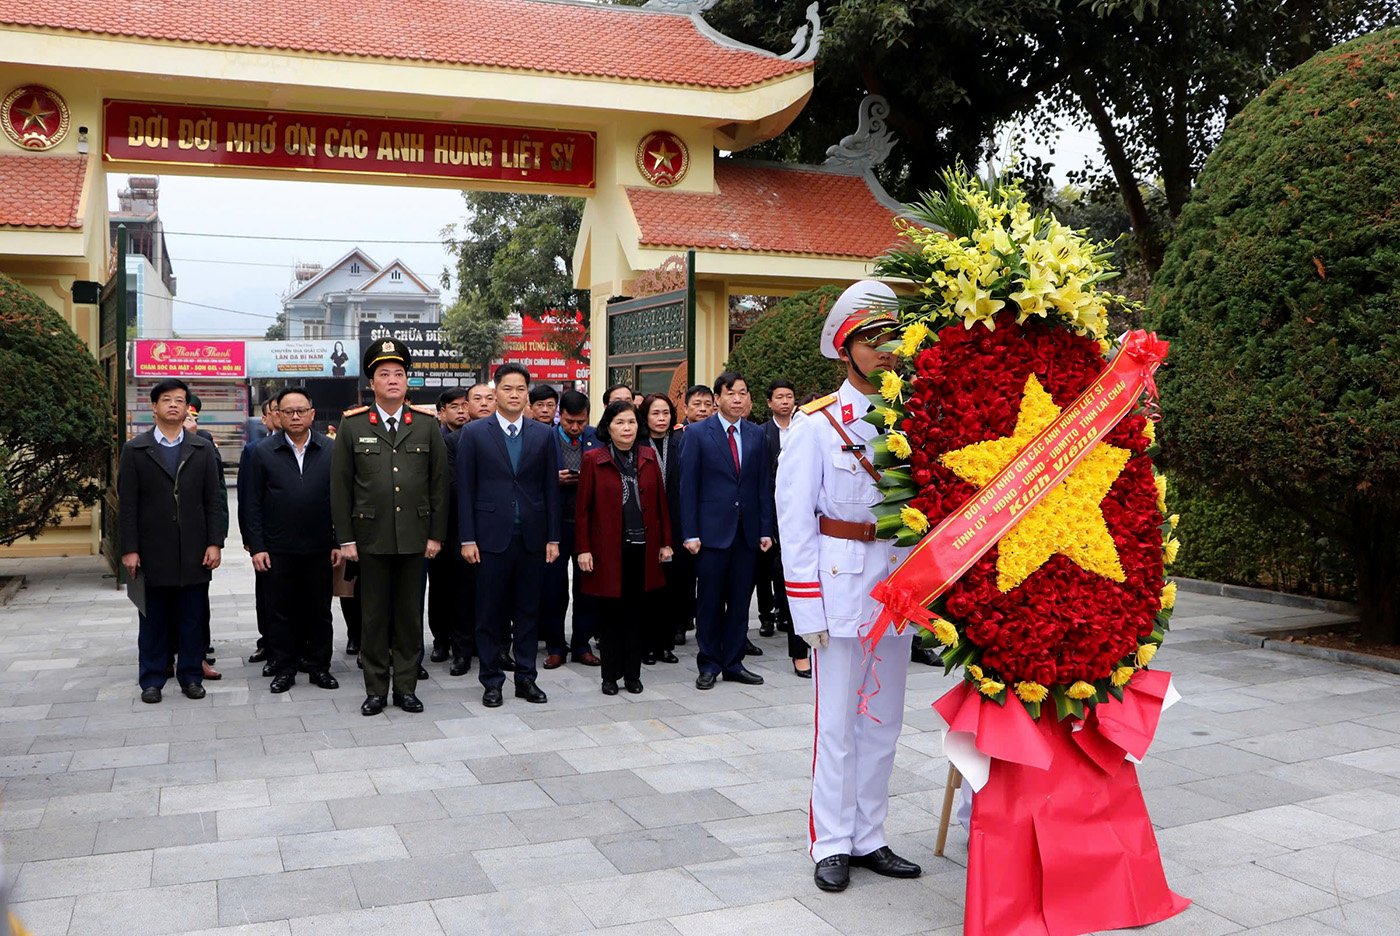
1280,295
783,345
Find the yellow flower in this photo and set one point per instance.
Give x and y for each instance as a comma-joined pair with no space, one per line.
914,519
1169,596
1031,692
1170,548
914,336
890,416
1174,519
1150,431
891,386
1145,653
898,445
1081,690
990,687
1161,481
944,632
1121,676
974,671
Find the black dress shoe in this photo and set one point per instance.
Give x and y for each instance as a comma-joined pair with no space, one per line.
268,669
678,638
258,656
833,873
649,659
767,626
423,675
439,655
884,861
744,676
193,690
373,705
634,686
751,648
283,681
460,666
408,702
351,648
705,681
923,655
150,695
666,656
802,673
324,679
610,687
507,664
491,698
527,690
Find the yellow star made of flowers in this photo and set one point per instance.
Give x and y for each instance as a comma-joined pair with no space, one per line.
1068,521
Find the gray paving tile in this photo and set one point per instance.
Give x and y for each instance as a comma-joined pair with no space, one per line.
209,797
286,895
185,773
187,864
45,916
557,823
292,764
139,755
562,862
645,896
667,847
492,798
774,918
385,809
55,842
509,767
69,877
457,836
125,835
595,787
159,909
1294,825
883,907
418,919
1346,872
531,910
98,807
281,819
362,758
340,847
1235,896
408,880
428,776
319,787
666,809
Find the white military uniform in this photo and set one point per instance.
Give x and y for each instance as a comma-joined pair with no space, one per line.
829,579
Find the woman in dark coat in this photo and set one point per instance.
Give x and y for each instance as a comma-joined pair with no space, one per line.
622,536
659,433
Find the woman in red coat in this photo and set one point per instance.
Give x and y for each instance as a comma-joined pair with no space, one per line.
622,535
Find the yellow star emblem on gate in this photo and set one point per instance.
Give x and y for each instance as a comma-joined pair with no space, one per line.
1069,520
34,116
662,157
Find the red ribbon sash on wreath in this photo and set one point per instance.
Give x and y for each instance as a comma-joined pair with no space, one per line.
966,535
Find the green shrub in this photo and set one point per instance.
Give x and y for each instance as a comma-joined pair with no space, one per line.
56,428
783,345
1280,295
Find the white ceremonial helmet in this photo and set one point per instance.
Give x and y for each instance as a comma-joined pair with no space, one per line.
866,304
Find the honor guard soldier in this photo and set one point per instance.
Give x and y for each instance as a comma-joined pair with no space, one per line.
389,497
826,486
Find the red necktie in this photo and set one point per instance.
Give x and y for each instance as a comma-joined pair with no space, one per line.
734,446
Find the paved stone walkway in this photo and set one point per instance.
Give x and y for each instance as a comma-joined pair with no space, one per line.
1275,786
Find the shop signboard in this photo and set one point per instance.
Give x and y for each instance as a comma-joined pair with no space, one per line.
297,359
433,359
194,358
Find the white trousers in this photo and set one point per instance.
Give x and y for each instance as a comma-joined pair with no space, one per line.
854,754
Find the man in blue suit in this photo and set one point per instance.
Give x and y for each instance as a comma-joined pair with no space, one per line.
508,517
726,519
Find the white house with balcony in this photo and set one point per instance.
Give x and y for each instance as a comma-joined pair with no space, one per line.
331,302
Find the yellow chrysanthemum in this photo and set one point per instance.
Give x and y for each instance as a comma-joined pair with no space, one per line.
1121,676
1161,481
1169,596
974,671
1145,653
899,445
891,386
1150,430
913,337
990,687
914,519
1081,690
1170,548
1174,519
945,633
1031,692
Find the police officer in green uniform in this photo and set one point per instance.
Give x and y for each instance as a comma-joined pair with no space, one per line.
389,502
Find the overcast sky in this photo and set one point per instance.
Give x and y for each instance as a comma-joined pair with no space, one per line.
249,273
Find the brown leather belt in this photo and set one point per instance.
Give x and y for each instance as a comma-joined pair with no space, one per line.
847,529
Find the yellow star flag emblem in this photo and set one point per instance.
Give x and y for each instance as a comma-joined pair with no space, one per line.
1069,520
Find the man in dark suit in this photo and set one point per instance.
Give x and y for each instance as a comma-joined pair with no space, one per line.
574,436
508,518
289,533
172,530
444,594
726,520
772,598
389,504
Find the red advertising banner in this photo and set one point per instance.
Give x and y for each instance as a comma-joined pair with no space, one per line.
537,348
176,358
965,536
193,135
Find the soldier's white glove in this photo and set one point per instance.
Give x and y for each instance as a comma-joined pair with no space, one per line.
818,640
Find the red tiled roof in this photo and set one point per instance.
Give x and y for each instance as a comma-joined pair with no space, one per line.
41,191
770,209
569,38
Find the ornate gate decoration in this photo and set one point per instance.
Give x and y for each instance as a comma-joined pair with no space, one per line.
650,338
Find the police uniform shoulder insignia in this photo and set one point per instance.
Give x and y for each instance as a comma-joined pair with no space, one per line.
355,411
819,403
423,410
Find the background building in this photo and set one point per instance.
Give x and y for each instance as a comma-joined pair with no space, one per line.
331,302
150,278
